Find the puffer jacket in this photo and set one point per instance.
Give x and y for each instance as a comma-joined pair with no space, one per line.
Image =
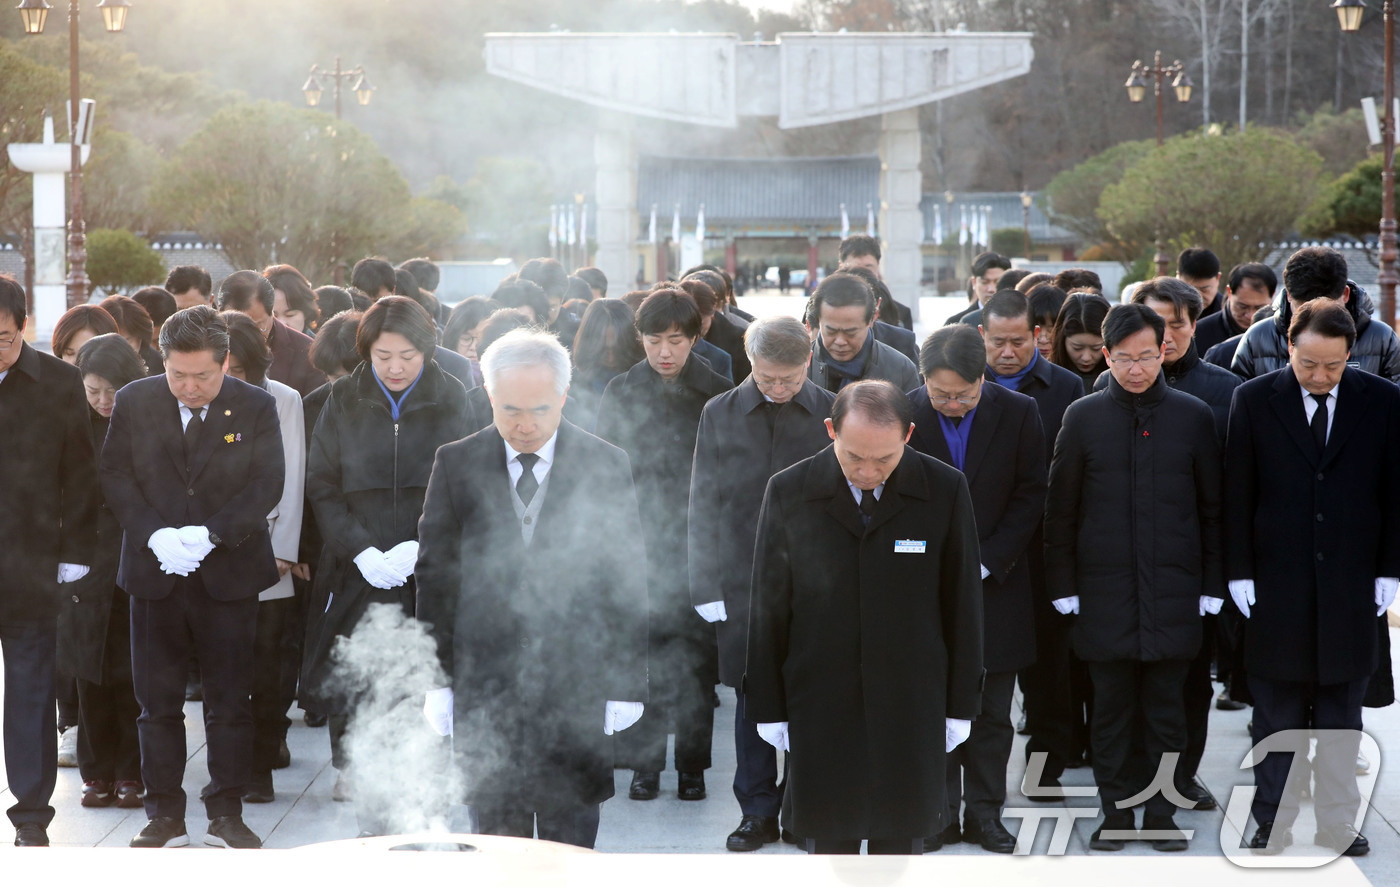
1264,347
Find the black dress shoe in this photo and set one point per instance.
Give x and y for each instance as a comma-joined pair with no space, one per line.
690,786
646,785
753,832
1223,702
989,833
31,834
284,756
162,831
1048,792
1174,840
790,838
229,831
1261,843
1343,838
1118,821
194,690
259,789
206,790
314,719
1197,794
1021,725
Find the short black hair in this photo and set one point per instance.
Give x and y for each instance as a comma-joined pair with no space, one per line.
1197,263
1008,304
984,262
336,348
157,301
425,271
1315,272
111,357
1126,320
702,292
842,290
1185,298
1033,280
247,346
579,289
666,308
1072,279
296,288
132,320
725,294
12,300
595,278
397,314
239,289
464,318
876,400
884,302
359,300
500,323
523,294
1325,318
549,276
1044,302
858,245
372,276
197,328
958,348
1253,271
332,300
405,284
183,278
1009,280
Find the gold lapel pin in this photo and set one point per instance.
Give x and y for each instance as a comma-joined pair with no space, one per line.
228,412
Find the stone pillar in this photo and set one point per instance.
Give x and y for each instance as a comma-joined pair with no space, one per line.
49,162
616,198
731,256
901,221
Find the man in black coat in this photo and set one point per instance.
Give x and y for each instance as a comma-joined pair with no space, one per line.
842,311
1132,547
775,419
863,251
865,631
993,436
531,578
49,533
899,338
251,293
1313,511
1251,286
987,269
192,465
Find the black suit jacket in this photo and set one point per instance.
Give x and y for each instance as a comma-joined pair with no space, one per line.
1313,530
898,338
1006,473
229,486
1053,388
291,359
728,336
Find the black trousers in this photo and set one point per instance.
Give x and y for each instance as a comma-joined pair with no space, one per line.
1050,710
1197,695
1291,705
874,847
108,747
680,701
221,635
1127,693
756,775
576,825
977,768
270,703
66,695
293,640
29,647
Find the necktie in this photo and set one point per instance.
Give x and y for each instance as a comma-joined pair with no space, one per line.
192,432
527,486
1319,421
867,506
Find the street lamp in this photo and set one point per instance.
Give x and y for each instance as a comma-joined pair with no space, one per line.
1026,201
34,14
1349,14
313,89
1137,91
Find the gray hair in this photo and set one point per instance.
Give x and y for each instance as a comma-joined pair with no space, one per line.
525,347
782,340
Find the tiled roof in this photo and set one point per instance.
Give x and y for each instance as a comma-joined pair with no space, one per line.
790,189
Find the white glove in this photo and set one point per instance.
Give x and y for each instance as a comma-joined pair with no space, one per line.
196,542
174,558
402,558
74,572
985,572
1242,590
376,570
955,732
776,735
1067,605
618,716
1211,605
1385,593
437,708
715,612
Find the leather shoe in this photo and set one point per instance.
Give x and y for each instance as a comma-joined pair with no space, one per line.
229,831
646,785
1223,702
1260,843
1343,838
314,719
690,786
989,833
1048,792
790,838
753,832
162,831
259,789
31,834
1197,794
1118,821
284,756
1173,844
951,834
129,793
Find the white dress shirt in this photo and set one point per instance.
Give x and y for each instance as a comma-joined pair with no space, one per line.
186,414
1310,407
856,491
546,454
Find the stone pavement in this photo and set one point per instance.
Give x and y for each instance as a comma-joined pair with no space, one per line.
304,813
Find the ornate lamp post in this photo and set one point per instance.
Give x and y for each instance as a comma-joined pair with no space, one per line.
313,91
1026,201
1137,90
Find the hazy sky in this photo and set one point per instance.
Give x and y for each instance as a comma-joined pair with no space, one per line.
775,5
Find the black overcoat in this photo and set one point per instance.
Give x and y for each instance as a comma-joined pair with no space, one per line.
1053,388
864,650
735,455
535,640
1132,522
1312,530
1005,471
48,473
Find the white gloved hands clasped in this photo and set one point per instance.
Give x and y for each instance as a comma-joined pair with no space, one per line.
776,735
402,558
196,542
1242,592
374,566
713,611
171,552
1385,593
955,732
71,572
618,716
1066,606
1211,605
437,708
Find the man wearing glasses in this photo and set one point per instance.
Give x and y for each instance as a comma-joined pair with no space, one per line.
1133,557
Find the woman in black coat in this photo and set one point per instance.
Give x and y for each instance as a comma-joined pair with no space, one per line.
94,642
366,476
606,346
653,413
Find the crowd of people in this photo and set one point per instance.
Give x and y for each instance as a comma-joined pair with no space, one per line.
598,509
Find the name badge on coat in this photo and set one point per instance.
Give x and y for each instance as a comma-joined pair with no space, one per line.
909,546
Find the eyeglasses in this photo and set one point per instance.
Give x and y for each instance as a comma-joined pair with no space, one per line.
966,400
7,341
1124,363
780,381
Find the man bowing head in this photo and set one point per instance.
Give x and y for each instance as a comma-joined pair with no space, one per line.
865,636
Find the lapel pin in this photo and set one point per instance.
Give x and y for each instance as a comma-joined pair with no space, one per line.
228,412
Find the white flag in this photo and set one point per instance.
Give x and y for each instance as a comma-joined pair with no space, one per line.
583,225
700,226
651,229
962,228
869,220
553,225
573,230
845,223
676,225
987,227
938,225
